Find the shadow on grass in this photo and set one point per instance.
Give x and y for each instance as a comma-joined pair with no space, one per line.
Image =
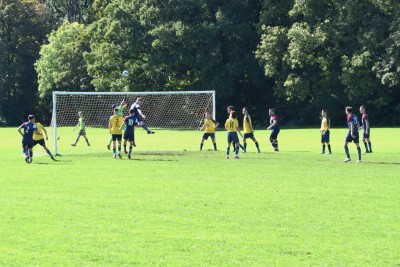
384,163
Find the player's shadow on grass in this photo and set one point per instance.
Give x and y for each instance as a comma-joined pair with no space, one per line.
136,159
384,163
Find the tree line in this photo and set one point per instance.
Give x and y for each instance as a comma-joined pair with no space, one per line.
293,55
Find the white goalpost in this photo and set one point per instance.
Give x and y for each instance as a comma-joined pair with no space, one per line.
181,110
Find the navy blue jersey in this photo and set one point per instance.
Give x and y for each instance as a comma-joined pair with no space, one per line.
352,118
364,121
29,128
130,122
271,121
135,106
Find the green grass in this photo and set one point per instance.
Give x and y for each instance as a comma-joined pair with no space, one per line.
174,206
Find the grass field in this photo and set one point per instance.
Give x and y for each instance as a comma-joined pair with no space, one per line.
172,205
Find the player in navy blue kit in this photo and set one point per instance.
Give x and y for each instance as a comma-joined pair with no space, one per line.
273,138
129,133
352,135
136,107
27,137
366,130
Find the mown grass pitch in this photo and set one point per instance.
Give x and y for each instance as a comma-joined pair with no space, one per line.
172,205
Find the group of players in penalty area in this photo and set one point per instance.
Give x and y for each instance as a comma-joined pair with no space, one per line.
124,127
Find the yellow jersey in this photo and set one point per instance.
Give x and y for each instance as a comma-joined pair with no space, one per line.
247,124
209,125
325,123
40,128
116,122
231,125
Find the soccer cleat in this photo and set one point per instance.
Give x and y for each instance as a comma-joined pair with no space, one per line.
276,149
119,155
27,159
150,132
53,158
88,144
73,144
129,156
126,152
244,150
359,161
114,156
258,151
322,153
347,160
366,152
108,147
236,156
227,157
133,144
330,153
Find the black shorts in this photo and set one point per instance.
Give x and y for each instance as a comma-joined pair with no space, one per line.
82,132
40,142
366,135
116,137
27,143
274,133
325,137
206,135
248,135
129,137
350,139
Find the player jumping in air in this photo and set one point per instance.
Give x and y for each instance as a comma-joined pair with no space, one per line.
114,127
38,138
209,126
121,109
352,135
232,126
229,109
27,137
325,133
136,107
82,129
366,130
248,130
129,133
273,138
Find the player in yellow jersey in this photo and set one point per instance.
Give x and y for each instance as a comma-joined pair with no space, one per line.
114,125
82,129
39,139
209,126
229,109
325,133
248,130
232,126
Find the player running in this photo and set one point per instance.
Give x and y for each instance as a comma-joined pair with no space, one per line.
232,126
352,135
82,129
114,127
273,138
248,130
136,107
121,109
39,139
325,133
209,126
129,133
27,137
366,130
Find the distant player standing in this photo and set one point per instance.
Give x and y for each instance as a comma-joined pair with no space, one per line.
248,130
82,129
325,131
114,127
136,107
352,135
121,109
366,130
38,138
27,137
129,133
209,126
273,138
229,109
232,126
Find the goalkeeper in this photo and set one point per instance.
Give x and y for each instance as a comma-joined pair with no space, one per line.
136,107
121,109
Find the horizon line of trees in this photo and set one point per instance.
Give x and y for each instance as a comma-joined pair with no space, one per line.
293,55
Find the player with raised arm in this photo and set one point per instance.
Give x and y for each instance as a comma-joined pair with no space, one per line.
121,109
229,109
39,139
27,137
352,135
232,126
136,107
366,130
248,129
273,138
82,129
325,131
129,132
114,127
209,126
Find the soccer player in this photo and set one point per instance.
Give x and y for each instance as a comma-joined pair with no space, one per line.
27,137
138,111
129,132
229,109
366,130
209,126
232,126
325,133
121,109
273,138
82,129
352,135
248,129
114,127
38,138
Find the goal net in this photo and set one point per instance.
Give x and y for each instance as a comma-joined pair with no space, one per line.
169,110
